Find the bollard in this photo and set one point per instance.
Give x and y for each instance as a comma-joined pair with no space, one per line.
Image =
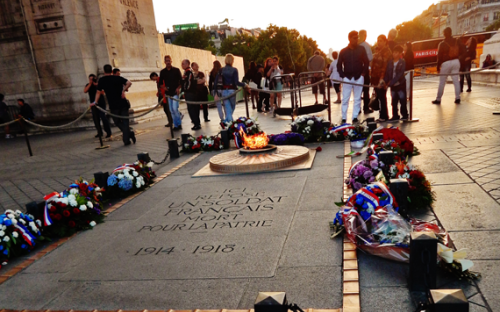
224,135
144,157
372,126
173,147
326,124
271,302
35,209
423,261
399,188
387,157
448,300
378,137
101,179
185,137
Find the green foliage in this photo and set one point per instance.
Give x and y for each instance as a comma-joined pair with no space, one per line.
494,26
413,31
292,49
196,38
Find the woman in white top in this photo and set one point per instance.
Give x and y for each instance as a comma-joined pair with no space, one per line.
275,84
334,74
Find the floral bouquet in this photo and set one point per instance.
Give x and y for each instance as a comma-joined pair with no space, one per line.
401,140
420,194
248,125
346,132
75,209
203,143
311,127
19,234
387,145
125,180
145,170
363,173
286,139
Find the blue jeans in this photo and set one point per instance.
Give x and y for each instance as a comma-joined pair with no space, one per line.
174,110
221,110
229,104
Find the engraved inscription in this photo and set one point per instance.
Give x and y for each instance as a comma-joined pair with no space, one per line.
130,3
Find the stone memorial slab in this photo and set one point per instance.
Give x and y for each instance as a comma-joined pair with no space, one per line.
201,230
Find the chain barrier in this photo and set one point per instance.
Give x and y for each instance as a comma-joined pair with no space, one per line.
460,73
57,127
128,117
164,159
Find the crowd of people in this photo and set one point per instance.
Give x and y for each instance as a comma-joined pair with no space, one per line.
353,72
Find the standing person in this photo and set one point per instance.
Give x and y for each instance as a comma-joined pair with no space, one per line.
250,76
334,74
449,52
265,84
201,89
113,88
317,63
258,77
410,64
230,85
162,100
97,115
469,56
26,111
212,86
275,84
189,89
170,83
379,65
391,38
4,117
352,65
366,90
395,78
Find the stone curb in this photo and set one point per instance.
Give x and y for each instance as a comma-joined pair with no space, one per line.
39,254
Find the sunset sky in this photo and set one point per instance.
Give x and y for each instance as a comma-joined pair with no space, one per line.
327,22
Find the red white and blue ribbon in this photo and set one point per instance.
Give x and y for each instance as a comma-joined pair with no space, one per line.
369,198
46,218
122,167
237,140
384,188
28,237
343,127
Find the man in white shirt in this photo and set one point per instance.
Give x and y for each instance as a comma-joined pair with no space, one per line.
366,90
334,75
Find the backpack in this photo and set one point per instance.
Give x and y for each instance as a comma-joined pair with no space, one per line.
454,51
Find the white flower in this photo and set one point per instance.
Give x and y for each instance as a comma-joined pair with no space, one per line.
73,191
4,263
92,223
195,142
15,234
185,145
6,239
310,122
14,221
2,233
8,211
90,205
125,171
4,227
18,212
65,201
328,136
10,216
31,217
83,208
138,184
134,173
85,182
150,164
22,221
120,176
73,203
406,175
38,222
71,197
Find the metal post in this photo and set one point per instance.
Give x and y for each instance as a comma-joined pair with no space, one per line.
377,137
387,157
184,138
224,135
329,100
144,157
292,97
173,147
410,100
423,261
35,209
26,137
101,179
246,103
399,188
372,126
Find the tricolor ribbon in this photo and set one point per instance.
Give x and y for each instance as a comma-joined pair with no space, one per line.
384,188
46,218
28,237
369,198
343,127
122,167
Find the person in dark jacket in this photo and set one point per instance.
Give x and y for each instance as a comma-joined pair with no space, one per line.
212,84
189,89
448,64
97,115
169,84
410,63
395,79
4,117
251,76
201,89
26,112
469,56
352,65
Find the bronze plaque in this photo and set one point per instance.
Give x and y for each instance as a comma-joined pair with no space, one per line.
46,7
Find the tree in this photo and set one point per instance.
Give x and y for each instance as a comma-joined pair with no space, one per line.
240,45
195,38
413,31
494,26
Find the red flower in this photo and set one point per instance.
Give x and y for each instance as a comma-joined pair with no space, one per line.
76,210
57,216
53,208
71,223
319,149
415,174
66,213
